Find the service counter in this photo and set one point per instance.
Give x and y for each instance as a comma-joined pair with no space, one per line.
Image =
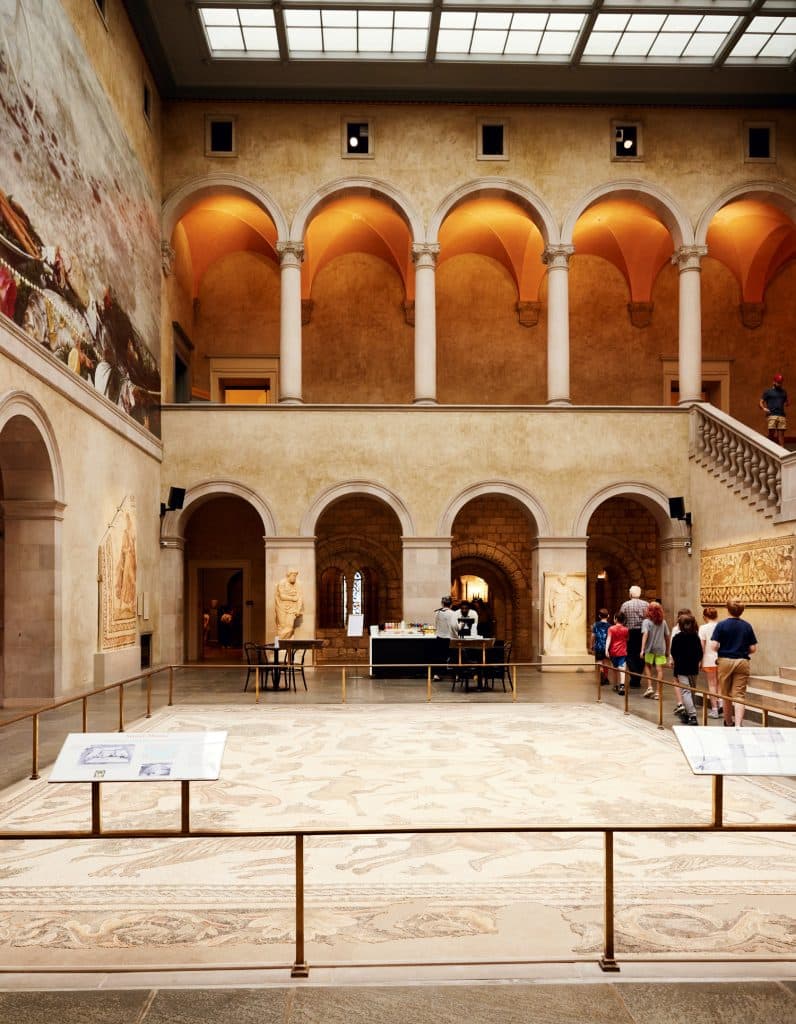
418,650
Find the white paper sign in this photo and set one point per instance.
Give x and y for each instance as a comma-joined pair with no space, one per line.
356,624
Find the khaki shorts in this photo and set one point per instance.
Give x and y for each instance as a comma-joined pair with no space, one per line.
776,423
733,677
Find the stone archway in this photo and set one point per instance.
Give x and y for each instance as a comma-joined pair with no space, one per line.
31,512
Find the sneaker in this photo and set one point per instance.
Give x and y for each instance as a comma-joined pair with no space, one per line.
714,713
692,720
655,696
649,692
620,690
435,678
678,709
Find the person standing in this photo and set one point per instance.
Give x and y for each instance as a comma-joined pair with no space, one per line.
734,640
616,647
773,402
710,615
599,635
686,658
654,646
446,626
634,611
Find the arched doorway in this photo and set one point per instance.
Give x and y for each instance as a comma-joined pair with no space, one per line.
358,559
224,577
623,551
493,540
30,559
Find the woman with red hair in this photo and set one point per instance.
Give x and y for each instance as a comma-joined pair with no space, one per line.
655,639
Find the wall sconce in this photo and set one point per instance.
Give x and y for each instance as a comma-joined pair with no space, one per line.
677,511
174,504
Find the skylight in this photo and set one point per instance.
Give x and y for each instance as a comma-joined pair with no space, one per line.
692,32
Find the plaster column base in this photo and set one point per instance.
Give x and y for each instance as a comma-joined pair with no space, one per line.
567,663
111,666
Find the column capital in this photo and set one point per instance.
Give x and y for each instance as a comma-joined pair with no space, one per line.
167,256
689,257
291,254
425,254
557,256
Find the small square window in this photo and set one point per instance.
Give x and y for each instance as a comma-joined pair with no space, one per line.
220,136
493,140
626,140
759,142
358,139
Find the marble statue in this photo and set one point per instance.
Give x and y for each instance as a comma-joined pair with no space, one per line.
288,605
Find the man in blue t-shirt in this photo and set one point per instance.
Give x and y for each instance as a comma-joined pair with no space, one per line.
773,403
734,640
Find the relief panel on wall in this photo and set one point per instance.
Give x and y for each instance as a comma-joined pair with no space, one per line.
564,612
756,572
117,580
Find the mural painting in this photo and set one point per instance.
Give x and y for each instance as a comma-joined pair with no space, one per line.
117,580
79,238
757,572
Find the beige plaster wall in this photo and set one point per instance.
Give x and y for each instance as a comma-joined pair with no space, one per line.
358,346
100,467
291,455
114,53
484,355
560,153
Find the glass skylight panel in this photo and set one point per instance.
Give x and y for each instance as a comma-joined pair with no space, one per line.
516,35
663,38
767,38
235,30
313,33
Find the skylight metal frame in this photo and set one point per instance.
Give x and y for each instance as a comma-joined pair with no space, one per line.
750,33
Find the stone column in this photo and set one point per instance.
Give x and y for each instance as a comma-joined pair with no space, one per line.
291,255
281,554
425,260
426,576
33,604
679,574
560,565
557,259
169,642
688,260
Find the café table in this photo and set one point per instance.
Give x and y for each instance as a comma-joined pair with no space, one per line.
478,643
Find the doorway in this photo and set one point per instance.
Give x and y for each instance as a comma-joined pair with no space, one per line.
220,611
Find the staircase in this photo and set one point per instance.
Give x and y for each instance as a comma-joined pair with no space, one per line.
775,693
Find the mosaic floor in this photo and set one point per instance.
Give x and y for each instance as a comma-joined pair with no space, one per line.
453,897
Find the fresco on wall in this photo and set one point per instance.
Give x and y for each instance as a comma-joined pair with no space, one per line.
79,237
117,580
758,572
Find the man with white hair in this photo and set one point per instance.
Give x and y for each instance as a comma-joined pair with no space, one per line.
634,611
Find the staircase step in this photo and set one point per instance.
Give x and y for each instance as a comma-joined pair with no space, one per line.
788,673
785,703
773,684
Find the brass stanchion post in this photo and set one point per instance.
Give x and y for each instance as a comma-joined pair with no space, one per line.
85,714
185,807
428,684
514,682
149,695
171,685
121,708
35,748
343,683
659,691
256,684
300,967
718,800
96,809
607,961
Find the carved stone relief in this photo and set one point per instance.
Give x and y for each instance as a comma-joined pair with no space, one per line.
564,612
757,572
117,580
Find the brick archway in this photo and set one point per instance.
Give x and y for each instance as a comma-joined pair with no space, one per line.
513,619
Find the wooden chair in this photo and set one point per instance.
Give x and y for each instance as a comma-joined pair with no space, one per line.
497,669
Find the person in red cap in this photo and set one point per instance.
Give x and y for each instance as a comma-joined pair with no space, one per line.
773,403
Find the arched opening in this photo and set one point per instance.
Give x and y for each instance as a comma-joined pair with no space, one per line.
357,302
224,582
623,551
30,561
491,332
358,561
224,297
493,539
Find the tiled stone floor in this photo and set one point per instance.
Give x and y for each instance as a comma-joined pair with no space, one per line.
743,1002
564,994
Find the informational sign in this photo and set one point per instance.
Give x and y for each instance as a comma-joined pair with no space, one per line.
139,757
746,751
356,625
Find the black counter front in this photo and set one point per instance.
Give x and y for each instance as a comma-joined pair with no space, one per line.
419,651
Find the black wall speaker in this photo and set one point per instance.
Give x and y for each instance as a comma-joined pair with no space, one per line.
177,497
676,508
